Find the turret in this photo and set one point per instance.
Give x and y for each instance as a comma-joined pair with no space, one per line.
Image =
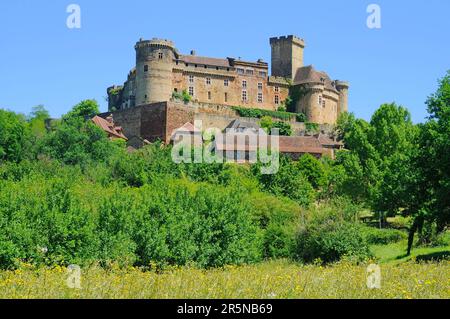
342,87
154,63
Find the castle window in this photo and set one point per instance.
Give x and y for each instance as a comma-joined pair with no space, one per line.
240,71
191,91
277,89
260,86
324,102
208,81
146,68
244,96
277,99
249,72
320,100
209,95
191,79
160,55
226,97
225,82
260,97
262,73
244,84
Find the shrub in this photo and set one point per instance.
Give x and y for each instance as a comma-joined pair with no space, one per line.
14,137
279,219
376,236
331,233
259,113
300,117
168,222
285,129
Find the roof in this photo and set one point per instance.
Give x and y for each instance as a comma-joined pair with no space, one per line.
300,144
308,74
241,125
194,59
109,127
287,144
327,141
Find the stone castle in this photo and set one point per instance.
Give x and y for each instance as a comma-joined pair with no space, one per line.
168,91
162,72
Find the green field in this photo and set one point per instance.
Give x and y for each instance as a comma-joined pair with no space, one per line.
270,280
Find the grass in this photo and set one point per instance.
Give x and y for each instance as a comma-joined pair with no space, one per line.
396,253
277,279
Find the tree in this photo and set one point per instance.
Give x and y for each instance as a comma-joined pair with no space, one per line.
84,109
14,137
431,186
37,119
379,166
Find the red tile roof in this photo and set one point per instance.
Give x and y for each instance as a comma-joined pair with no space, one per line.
109,127
194,59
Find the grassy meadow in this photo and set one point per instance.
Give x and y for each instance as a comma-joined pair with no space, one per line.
270,280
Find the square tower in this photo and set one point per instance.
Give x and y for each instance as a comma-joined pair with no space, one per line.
287,55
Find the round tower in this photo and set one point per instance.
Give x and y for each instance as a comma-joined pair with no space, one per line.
342,87
154,63
314,103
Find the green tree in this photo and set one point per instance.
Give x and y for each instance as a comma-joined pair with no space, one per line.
14,137
84,109
431,183
37,119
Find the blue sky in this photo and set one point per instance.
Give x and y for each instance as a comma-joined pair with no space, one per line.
44,62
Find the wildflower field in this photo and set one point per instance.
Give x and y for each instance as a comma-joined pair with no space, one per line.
272,280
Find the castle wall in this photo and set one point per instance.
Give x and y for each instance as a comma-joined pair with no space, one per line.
215,90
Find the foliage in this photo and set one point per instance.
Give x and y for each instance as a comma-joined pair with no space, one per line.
15,137
284,129
37,119
171,222
300,117
312,127
84,109
288,182
183,96
259,113
376,236
330,234
76,142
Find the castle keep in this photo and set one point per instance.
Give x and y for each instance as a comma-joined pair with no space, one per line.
162,72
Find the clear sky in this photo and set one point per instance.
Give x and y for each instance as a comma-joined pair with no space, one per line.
44,62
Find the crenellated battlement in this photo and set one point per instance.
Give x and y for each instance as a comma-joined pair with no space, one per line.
289,38
155,42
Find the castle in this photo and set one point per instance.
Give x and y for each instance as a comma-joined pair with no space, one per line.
167,91
162,72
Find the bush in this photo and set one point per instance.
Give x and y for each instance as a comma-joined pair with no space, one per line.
331,233
279,219
376,236
168,222
259,113
15,136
